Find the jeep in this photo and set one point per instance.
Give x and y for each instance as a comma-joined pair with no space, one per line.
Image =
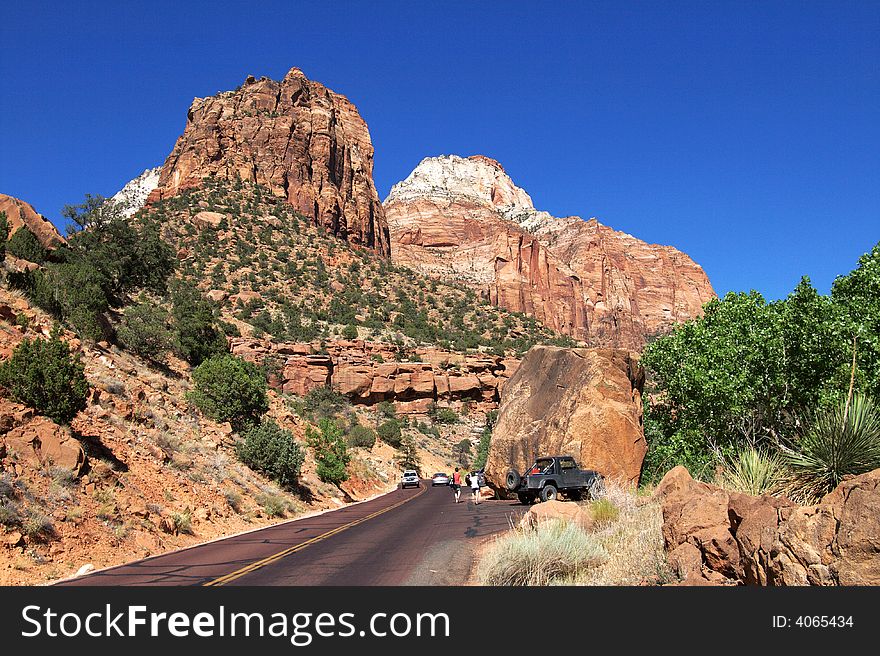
551,475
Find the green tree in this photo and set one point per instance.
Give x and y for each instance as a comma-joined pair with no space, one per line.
227,388
24,245
408,456
268,448
485,440
4,235
858,294
331,451
43,374
197,336
144,330
389,432
462,452
362,436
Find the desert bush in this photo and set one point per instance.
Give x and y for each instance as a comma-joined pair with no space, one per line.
227,388
362,436
753,471
9,513
323,402
553,552
233,498
273,505
331,451
182,522
270,449
144,330
604,511
386,410
443,415
196,335
42,374
840,440
390,433
38,526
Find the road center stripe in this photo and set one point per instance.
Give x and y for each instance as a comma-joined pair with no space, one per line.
232,576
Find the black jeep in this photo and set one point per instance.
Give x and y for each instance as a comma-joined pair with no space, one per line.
550,475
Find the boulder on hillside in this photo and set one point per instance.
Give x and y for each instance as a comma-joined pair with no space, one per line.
37,439
582,402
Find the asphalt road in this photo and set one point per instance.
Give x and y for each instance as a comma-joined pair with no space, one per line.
417,536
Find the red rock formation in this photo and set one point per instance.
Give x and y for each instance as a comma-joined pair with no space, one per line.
19,214
580,402
464,219
307,144
367,372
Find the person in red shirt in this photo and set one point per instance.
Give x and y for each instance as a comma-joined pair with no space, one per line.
456,484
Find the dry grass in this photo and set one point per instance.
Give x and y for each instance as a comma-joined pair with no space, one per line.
625,548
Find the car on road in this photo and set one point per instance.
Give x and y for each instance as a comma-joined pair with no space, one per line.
410,479
551,475
439,479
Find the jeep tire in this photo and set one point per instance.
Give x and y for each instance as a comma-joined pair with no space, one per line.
549,493
512,480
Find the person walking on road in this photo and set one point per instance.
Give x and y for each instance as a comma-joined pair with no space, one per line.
456,484
475,486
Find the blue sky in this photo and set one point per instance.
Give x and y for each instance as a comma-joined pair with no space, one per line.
744,133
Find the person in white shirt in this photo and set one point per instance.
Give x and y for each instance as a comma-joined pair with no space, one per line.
475,487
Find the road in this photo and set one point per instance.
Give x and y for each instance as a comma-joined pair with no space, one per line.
417,536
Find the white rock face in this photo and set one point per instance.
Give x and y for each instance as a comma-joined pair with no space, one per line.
474,180
134,194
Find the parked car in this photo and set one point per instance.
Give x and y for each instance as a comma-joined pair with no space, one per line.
551,475
480,474
439,479
410,479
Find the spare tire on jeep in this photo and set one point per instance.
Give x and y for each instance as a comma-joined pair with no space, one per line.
512,480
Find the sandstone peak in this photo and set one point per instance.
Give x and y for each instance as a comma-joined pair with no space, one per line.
464,219
307,144
20,213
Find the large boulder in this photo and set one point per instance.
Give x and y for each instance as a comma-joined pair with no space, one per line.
581,402
37,440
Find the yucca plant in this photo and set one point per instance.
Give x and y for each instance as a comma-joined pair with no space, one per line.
840,440
753,471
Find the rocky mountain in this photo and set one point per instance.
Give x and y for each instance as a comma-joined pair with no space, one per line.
307,144
134,194
20,213
464,219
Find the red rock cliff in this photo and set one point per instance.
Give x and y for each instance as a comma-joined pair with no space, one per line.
19,214
306,143
463,219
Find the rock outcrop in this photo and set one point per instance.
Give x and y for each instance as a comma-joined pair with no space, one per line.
307,144
20,213
580,402
464,219
713,535
28,438
368,372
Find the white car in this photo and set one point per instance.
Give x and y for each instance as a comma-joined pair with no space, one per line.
410,478
439,479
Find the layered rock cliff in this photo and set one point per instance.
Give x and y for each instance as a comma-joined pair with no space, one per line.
464,219
304,142
20,213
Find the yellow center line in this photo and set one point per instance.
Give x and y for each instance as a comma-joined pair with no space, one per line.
227,578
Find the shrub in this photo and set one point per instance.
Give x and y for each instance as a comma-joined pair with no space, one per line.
44,375
9,515
197,337
144,330
270,449
362,436
443,415
24,245
604,512
181,522
350,332
386,409
4,235
273,505
38,526
840,440
753,471
390,433
553,552
324,402
331,451
227,388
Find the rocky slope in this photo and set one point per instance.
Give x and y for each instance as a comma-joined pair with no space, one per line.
20,213
464,219
307,144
